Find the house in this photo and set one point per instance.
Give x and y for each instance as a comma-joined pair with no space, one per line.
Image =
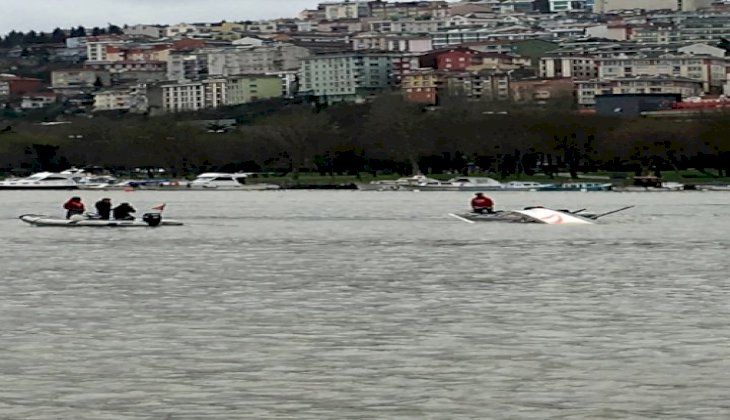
37,100
16,86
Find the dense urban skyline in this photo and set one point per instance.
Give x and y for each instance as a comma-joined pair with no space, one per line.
45,15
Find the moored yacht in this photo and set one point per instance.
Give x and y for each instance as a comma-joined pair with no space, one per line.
228,181
41,181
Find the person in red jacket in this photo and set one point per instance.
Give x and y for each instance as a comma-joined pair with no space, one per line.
74,206
482,204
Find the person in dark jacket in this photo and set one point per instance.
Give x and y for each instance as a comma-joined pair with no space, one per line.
124,212
104,208
74,206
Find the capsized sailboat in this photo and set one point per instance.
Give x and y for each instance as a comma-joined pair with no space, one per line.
536,215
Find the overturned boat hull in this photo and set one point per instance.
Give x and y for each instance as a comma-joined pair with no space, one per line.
533,215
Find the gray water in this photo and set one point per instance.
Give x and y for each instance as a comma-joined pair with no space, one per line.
339,305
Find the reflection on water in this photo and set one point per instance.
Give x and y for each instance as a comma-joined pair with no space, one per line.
367,305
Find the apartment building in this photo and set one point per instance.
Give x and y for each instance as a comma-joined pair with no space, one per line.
478,86
604,6
586,90
346,76
232,61
348,9
186,96
391,42
381,9
710,71
575,67
243,89
187,66
558,6
406,26
421,86
96,48
458,36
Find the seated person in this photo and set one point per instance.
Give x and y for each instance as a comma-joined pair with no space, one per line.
74,206
104,208
482,204
124,212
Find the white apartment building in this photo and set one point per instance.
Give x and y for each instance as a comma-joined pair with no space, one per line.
710,71
407,26
348,9
389,42
557,6
112,100
575,67
96,50
245,59
152,31
603,6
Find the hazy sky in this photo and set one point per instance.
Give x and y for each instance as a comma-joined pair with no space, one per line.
45,15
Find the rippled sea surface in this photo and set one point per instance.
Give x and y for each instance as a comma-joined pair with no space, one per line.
346,304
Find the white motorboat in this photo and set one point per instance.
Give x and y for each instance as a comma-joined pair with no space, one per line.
536,215
415,182
41,181
228,181
147,220
651,184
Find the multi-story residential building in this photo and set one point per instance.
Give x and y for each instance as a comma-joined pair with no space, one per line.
557,6
458,36
347,76
391,42
604,6
15,86
344,26
289,82
348,9
381,9
710,28
654,33
710,71
118,67
575,67
243,89
246,60
406,26
152,31
181,30
586,90
187,66
72,81
137,52
478,86
37,100
112,99
421,86
96,47
403,64
186,96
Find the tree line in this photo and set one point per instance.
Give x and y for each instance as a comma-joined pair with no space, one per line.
57,36
387,135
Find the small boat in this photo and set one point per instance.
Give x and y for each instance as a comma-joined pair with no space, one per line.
228,181
147,220
536,215
41,181
651,184
579,186
415,182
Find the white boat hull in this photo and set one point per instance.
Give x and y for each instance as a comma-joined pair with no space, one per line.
43,220
535,215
